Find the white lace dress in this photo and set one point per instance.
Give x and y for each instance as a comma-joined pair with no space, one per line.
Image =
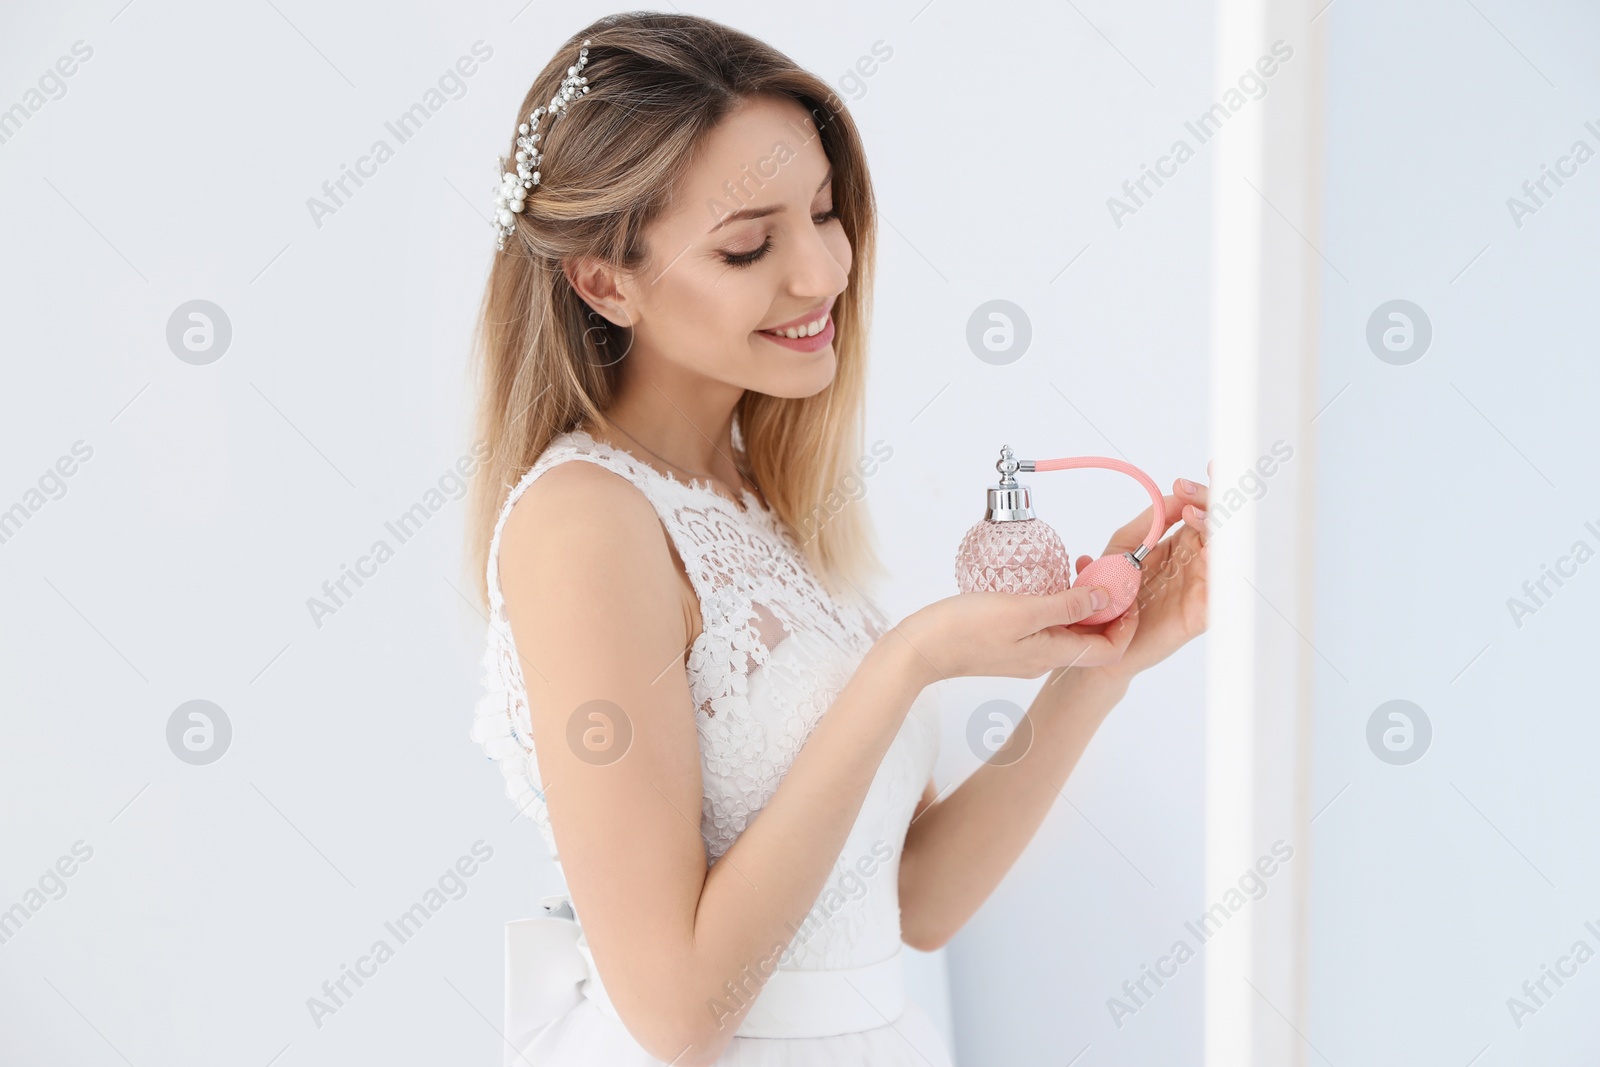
774,652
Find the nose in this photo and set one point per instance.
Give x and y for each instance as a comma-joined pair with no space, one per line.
816,272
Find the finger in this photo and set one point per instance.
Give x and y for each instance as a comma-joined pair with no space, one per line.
1121,629
1193,492
1195,519
1133,534
1066,607
1084,561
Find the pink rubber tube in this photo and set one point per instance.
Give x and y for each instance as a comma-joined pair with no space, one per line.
1117,574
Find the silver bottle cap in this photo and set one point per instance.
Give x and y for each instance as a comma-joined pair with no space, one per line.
1009,501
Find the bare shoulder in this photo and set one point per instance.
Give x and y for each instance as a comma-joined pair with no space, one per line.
585,538
576,500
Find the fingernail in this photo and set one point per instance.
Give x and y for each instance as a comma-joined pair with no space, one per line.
1098,598
1186,484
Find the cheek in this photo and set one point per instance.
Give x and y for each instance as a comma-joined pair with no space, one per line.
702,305
733,303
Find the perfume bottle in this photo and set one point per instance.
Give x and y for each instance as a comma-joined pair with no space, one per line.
1012,550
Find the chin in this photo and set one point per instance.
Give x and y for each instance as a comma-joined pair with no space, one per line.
793,375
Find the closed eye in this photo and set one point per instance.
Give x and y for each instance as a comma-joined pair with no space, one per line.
745,259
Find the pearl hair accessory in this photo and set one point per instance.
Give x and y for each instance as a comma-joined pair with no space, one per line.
513,189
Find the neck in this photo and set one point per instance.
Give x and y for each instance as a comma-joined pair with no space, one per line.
683,419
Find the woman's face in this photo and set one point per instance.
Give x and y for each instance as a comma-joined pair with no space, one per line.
750,244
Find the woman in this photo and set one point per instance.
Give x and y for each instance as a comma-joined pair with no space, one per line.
677,643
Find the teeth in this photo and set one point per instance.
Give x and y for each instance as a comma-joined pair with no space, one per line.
810,329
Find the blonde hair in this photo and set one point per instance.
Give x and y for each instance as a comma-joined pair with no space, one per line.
659,84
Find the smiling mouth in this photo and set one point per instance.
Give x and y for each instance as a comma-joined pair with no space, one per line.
809,329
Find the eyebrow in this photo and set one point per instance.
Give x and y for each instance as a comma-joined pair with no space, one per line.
763,212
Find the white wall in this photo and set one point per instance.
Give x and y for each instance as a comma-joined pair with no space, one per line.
216,499
1441,885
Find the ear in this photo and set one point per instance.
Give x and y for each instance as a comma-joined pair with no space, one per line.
605,288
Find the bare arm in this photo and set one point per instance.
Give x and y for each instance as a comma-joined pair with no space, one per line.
959,848
594,601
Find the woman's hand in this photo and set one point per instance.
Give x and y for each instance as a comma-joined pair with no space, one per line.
1011,635
1171,606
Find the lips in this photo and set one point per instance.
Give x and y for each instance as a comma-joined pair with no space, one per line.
813,315
811,342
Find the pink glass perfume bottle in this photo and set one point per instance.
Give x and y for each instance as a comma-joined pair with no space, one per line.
1013,551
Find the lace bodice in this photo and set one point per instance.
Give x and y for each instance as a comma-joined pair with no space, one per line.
774,650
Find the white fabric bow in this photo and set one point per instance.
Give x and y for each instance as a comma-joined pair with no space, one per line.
545,972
